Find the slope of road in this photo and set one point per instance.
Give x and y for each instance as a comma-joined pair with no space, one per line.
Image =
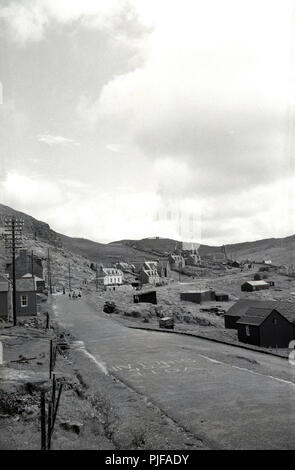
230,397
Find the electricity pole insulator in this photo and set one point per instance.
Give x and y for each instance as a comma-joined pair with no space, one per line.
13,242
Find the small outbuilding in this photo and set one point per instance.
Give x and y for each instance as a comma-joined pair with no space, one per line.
267,327
221,297
198,296
145,296
252,286
239,309
26,298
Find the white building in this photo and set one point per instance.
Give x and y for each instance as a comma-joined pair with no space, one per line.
110,276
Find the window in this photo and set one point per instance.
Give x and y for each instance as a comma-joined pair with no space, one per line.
24,300
247,330
275,321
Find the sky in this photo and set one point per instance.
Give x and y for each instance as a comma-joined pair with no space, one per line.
139,118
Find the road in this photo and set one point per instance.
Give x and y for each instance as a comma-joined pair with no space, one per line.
231,397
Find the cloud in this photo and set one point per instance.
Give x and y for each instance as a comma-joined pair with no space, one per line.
29,21
55,140
218,105
116,148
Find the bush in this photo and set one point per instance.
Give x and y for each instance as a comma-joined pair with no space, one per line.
257,277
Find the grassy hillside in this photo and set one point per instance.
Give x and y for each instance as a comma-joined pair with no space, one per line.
279,250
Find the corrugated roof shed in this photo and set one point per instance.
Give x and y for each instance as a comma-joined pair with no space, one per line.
241,306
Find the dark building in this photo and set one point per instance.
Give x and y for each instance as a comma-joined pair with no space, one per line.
5,297
271,283
26,298
221,297
198,296
148,296
251,286
24,264
240,308
268,327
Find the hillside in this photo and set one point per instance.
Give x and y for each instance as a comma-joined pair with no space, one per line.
38,235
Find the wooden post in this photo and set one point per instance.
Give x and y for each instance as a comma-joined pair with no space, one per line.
50,358
43,421
49,424
47,320
55,410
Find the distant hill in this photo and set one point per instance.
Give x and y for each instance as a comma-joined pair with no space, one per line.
279,250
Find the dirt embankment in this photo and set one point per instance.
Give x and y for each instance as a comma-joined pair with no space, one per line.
96,411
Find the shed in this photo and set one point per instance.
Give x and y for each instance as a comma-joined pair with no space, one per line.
267,327
251,286
271,283
146,296
5,297
221,297
198,296
26,298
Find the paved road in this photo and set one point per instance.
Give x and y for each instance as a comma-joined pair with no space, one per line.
231,397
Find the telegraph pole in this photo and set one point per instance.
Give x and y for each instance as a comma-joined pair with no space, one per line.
96,279
70,286
13,229
32,266
49,272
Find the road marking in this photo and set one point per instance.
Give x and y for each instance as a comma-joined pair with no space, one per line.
288,382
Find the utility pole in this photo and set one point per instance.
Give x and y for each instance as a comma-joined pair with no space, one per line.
49,271
96,279
70,287
13,234
32,266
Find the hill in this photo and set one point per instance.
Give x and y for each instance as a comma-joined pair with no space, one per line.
39,236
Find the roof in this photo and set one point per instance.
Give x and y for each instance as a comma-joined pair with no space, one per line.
145,292
241,306
256,283
25,285
252,320
4,283
201,291
256,313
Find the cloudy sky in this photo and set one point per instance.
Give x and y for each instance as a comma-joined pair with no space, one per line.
134,118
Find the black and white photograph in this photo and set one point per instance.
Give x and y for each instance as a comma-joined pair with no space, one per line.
147,228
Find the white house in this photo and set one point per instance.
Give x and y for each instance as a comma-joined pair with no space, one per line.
110,276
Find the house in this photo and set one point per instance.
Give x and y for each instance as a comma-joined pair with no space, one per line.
147,296
240,308
193,259
268,327
221,297
149,273
163,268
125,267
198,296
25,264
109,277
26,297
176,261
251,286
39,283
5,297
